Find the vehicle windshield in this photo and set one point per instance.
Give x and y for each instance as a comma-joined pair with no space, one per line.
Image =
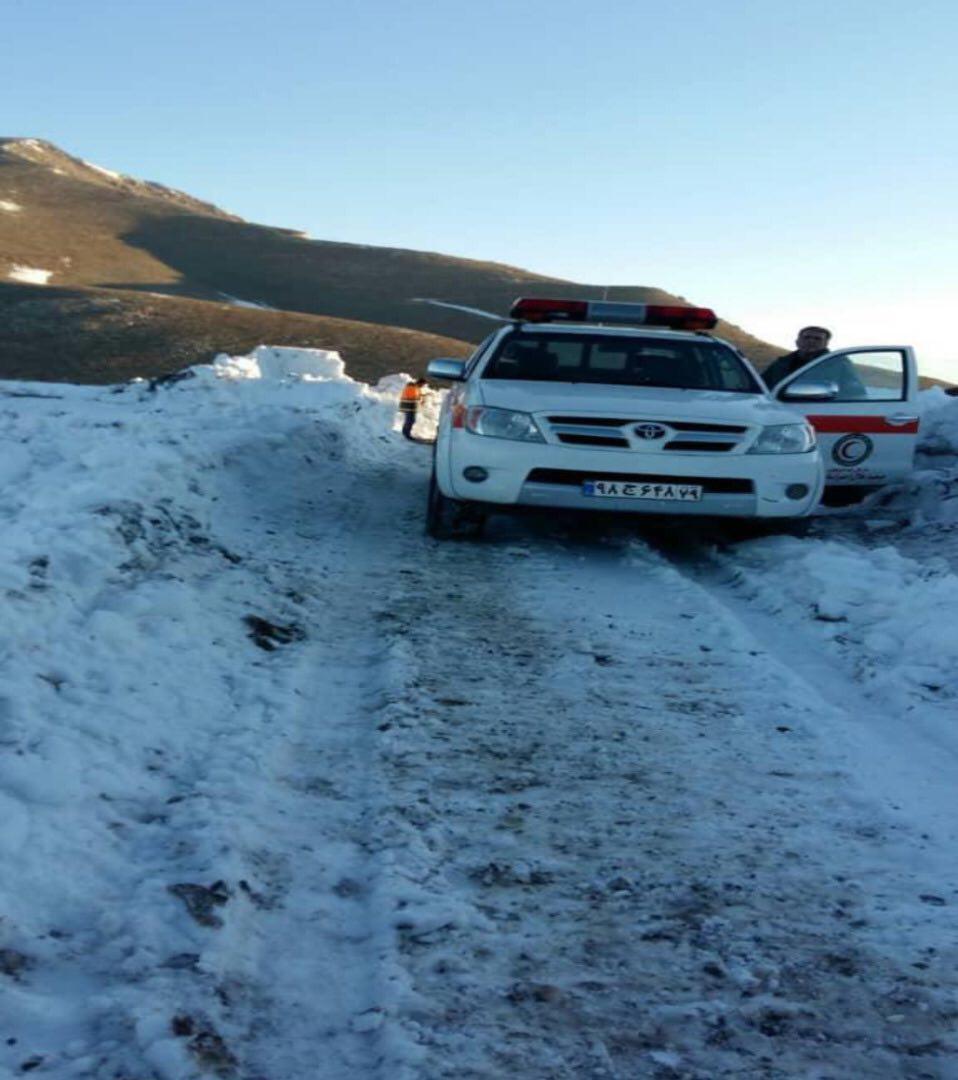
621,361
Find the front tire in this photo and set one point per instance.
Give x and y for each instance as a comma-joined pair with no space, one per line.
449,519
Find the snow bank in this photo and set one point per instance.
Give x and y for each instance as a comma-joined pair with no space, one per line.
279,364
890,618
301,380
30,275
133,714
929,497
884,601
939,423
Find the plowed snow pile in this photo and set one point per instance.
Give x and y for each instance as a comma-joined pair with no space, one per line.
892,616
936,483
289,792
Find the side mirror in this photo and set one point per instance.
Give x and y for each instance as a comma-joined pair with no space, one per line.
809,391
452,369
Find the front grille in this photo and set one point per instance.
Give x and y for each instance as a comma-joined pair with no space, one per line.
590,421
712,485
676,425
594,440
701,446
619,433
712,429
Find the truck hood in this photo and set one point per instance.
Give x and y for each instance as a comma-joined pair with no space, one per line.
638,402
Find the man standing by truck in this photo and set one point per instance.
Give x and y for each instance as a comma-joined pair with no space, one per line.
409,401
812,342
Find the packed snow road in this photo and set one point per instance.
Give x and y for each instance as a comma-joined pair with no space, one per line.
290,792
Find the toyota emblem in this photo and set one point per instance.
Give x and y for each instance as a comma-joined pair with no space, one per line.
651,431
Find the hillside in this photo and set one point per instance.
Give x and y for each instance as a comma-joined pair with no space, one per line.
67,223
107,335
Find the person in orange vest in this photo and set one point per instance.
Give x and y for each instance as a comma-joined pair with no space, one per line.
409,401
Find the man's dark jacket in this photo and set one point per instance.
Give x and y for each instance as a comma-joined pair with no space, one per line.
786,365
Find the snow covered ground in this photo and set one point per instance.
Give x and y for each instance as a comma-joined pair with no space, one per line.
29,275
105,172
289,791
237,302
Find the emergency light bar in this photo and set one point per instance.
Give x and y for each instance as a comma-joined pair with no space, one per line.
674,316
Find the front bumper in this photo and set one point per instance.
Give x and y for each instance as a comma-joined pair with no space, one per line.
571,498
545,475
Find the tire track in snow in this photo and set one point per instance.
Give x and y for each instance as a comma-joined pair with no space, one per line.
629,851
273,796
534,807
906,757
315,961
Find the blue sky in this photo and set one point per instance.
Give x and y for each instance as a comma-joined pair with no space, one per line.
784,162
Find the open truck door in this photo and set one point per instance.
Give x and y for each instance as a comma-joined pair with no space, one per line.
863,404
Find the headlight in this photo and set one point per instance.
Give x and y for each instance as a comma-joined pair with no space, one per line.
785,439
502,424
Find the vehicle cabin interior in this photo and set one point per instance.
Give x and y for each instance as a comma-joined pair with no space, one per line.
691,365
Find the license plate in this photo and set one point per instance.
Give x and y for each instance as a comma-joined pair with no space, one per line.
618,489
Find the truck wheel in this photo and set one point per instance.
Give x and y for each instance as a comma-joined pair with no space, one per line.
799,527
738,530
447,519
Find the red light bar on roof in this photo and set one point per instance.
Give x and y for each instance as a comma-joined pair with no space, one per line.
536,309
674,316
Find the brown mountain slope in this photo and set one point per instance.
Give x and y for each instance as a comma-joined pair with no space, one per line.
61,215
50,333
87,227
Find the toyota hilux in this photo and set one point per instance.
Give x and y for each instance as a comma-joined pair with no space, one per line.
629,408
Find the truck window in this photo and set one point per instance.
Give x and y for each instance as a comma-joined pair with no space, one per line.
621,361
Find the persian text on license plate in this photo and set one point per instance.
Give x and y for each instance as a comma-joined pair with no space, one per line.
619,489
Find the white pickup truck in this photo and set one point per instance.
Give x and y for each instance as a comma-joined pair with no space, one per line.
635,408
